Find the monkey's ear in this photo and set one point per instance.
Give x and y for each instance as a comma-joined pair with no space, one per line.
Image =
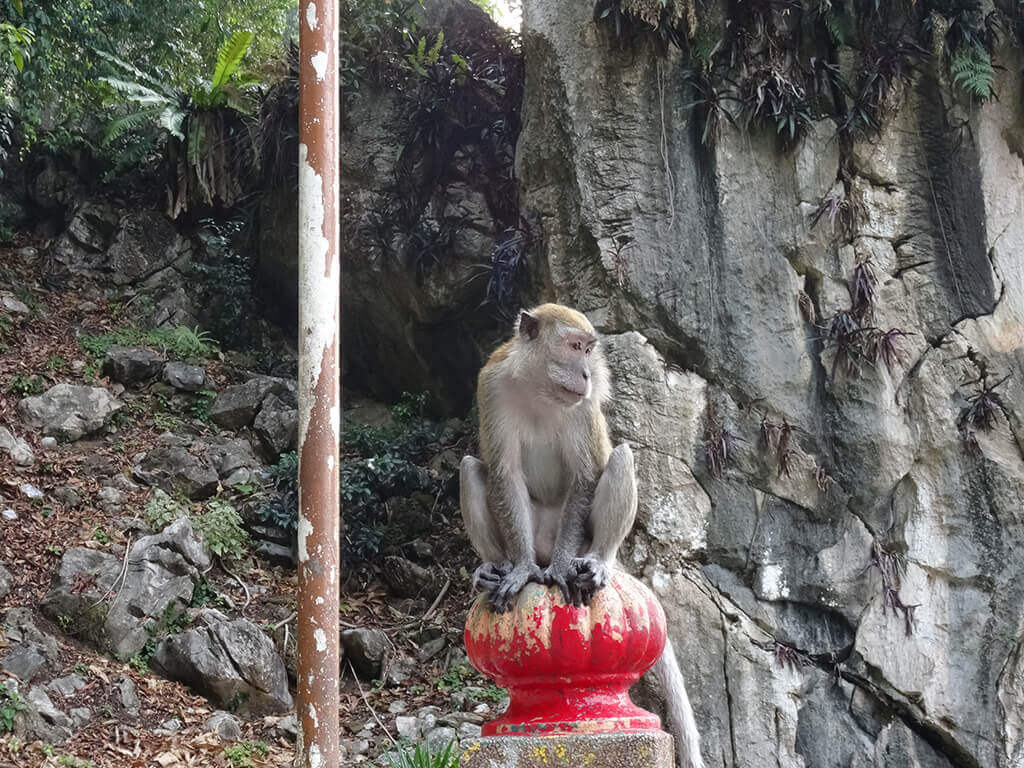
529,326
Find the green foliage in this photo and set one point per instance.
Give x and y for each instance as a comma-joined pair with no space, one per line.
70,761
162,510
22,386
409,408
454,679
208,164
177,341
100,535
422,57
204,594
282,507
421,756
221,527
201,404
971,68
241,754
10,705
228,283
15,44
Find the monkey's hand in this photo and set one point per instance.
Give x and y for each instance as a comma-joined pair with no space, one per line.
488,576
512,583
561,575
588,574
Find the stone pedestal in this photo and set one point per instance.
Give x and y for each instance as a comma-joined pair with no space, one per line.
640,749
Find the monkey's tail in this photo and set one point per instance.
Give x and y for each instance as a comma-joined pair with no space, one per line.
681,723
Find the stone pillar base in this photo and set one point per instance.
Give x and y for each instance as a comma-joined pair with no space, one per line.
642,749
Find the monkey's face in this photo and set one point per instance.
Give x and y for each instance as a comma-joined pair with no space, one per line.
569,359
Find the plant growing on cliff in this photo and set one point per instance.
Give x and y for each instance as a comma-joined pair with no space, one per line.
720,444
208,144
983,407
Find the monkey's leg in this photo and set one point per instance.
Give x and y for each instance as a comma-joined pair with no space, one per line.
480,525
611,518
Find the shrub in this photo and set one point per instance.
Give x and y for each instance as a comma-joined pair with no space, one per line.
162,510
221,527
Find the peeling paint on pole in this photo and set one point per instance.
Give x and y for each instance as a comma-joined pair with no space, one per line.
319,395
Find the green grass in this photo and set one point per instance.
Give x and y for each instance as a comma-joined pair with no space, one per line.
241,754
179,342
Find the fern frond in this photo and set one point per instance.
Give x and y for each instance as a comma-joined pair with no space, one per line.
143,94
126,123
229,57
138,74
971,69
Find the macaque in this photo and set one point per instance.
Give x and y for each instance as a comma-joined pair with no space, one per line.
551,501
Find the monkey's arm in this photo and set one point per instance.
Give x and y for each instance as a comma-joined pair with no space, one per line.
571,533
510,501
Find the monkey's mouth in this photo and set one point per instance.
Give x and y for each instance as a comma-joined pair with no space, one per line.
573,393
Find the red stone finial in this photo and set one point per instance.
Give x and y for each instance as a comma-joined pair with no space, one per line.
568,670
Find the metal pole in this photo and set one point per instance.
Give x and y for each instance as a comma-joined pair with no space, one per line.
319,393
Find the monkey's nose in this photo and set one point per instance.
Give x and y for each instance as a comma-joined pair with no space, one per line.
586,376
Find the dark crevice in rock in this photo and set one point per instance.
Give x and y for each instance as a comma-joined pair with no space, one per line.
728,690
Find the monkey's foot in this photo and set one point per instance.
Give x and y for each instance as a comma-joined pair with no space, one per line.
512,584
587,575
488,576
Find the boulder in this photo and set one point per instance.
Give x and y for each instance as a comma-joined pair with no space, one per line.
92,602
234,460
132,365
277,425
188,378
236,406
366,649
43,720
176,471
29,649
12,304
232,663
225,725
69,411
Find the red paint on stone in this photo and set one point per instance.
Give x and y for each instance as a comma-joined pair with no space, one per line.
568,669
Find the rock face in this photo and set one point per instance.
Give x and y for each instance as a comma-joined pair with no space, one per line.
848,589
231,662
176,471
236,406
68,411
90,599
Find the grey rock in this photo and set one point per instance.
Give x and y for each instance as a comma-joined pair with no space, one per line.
277,426
288,727
231,456
23,661
157,587
31,491
397,707
176,471
366,649
439,738
127,695
67,495
408,728
6,580
80,716
236,406
9,514
232,663
168,727
68,411
276,554
10,303
17,448
132,365
225,725
110,499
66,686
188,378
49,443
468,731
43,720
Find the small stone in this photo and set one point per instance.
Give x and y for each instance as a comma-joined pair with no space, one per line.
67,495
428,718
288,727
439,738
169,726
31,491
11,303
365,648
397,707
408,728
469,731
77,366
49,443
188,378
127,694
80,716
356,746
482,709
110,497
66,686
9,514
276,554
225,725
423,550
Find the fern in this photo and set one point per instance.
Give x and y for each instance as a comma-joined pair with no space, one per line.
229,58
972,70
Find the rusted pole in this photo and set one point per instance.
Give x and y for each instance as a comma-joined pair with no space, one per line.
319,394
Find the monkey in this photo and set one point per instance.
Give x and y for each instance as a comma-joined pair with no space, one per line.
550,501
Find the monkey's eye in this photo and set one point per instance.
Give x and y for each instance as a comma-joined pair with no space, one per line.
589,350
577,346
